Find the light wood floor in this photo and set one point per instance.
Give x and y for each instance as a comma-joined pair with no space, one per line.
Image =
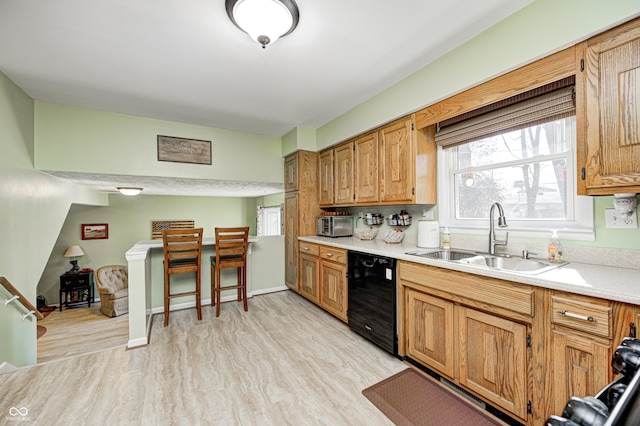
79,331
285,362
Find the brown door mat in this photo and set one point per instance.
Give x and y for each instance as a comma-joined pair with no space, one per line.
411,398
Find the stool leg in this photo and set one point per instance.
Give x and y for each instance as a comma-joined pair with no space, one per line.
244,287
166,299
239,283
198,301
218,291
213,284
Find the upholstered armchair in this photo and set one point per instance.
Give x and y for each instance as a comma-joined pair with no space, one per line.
113,288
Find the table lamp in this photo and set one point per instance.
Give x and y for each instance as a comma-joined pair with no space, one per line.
74,252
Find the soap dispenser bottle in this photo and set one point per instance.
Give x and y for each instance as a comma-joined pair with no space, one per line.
446,239
555,247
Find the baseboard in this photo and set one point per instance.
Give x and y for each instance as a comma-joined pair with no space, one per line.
189,305
133,343
5,367
269,290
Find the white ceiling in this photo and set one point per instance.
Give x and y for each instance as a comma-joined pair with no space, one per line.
183,60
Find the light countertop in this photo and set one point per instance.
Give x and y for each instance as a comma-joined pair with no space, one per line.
611,283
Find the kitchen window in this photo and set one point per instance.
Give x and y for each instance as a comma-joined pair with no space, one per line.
270,220
520,153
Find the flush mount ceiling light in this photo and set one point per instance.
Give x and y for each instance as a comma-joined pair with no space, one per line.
124,190
264,20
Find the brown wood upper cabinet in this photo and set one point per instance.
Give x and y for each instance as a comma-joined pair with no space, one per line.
325,178
611,160
392,165
366,186
343,173
396,183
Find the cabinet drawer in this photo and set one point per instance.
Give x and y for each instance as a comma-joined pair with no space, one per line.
309,248
582,314
75,282
333,254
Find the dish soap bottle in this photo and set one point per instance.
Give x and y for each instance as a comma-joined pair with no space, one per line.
555,247
446,239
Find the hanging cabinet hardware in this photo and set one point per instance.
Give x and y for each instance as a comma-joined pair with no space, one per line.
582,64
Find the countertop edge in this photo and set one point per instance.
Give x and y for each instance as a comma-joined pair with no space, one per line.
605,282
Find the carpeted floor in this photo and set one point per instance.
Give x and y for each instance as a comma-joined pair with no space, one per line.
411,398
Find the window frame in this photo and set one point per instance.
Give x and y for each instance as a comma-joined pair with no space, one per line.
581,227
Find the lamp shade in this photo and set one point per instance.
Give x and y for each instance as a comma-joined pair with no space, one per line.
73,251
264,20
129,190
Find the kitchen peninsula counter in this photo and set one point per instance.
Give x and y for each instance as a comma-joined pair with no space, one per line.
146,283
605,282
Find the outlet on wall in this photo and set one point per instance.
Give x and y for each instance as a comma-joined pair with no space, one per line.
614,220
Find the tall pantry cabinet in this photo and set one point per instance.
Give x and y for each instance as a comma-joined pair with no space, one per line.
300,207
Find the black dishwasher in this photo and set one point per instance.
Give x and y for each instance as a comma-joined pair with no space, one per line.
372,299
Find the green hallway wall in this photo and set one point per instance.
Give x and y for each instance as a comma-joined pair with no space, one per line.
33,208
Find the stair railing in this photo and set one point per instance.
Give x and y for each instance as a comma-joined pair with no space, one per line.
18,300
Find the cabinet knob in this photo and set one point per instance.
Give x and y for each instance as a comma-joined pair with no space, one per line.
329,254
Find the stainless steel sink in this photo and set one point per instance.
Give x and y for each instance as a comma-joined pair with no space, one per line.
444,254
504,262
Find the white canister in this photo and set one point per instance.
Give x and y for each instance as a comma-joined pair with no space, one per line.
428,234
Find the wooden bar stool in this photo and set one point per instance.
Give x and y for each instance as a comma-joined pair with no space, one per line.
182,253
231,252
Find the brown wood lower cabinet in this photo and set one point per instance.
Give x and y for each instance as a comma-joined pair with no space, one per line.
333,281
469,341
322,277
580,366
430,331
308,285
492,358
513,345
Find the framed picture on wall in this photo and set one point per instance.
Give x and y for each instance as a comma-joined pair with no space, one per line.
95,231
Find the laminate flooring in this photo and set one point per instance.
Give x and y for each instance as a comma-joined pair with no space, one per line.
79,331
284,362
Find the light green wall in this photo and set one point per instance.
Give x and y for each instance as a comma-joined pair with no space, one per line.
299,138
106,142
517,40
270,200
32,210
129,220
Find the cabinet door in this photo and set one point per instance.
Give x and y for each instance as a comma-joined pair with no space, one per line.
344,174
366,169
325,178
612,97
492,359
291,173
430,331
309,271
291,239
396,181
580,367
333,288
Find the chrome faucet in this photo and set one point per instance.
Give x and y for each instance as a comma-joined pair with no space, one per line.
502,223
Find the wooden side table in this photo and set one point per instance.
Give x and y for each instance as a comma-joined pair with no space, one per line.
77,287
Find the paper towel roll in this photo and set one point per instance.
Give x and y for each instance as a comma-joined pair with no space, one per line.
428,234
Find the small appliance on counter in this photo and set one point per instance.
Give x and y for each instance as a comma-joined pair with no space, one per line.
334,226
428,234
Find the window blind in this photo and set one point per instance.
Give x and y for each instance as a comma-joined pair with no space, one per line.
541,105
